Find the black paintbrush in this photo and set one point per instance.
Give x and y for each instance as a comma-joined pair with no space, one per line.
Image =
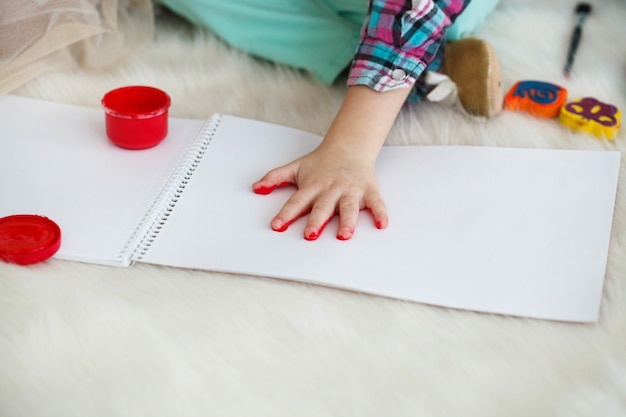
582,11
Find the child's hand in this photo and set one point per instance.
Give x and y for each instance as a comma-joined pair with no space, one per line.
339,177
329,182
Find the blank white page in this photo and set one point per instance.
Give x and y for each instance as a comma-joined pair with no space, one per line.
512,231
56,161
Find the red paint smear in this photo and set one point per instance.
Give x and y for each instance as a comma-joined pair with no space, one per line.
378,223
262,189
315,235
342,237
286,225
266,189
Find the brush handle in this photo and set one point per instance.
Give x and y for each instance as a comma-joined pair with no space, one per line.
573,47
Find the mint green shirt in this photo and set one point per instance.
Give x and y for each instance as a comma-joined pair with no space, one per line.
318,35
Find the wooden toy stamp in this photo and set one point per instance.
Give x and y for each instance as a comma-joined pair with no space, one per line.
592,116
538,98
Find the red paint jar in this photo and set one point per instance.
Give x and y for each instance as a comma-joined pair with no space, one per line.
136,116
27,239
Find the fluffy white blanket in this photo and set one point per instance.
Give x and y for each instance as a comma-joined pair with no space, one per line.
87,340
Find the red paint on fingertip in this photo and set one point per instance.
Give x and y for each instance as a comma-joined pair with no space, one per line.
266,189
284,226
345,233
263,189
281,229
315,234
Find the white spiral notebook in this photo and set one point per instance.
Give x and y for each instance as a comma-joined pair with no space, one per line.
522,232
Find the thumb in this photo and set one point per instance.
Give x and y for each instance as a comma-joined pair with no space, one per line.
278,177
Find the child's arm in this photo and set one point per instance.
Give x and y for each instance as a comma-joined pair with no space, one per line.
339,176
400,38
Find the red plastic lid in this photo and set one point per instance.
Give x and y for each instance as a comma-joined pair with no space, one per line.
28,238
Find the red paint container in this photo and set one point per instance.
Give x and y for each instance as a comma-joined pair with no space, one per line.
136,116
27,239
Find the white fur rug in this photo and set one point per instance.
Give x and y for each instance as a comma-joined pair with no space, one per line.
87,340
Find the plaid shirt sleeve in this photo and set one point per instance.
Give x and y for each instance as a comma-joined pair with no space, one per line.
399,39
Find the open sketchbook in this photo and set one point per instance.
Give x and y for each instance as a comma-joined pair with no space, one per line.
520,232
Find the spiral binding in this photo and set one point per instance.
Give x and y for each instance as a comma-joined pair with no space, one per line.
164,204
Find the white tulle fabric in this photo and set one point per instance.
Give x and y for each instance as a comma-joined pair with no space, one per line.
42,35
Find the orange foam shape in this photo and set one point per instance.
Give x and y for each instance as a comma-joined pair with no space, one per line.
537,98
